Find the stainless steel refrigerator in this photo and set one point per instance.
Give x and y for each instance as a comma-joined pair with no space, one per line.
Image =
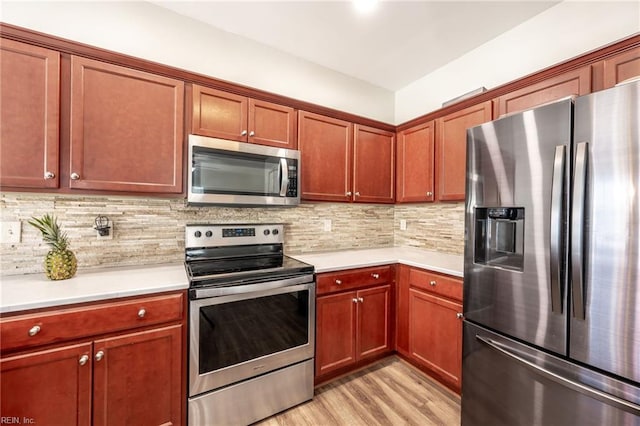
552,265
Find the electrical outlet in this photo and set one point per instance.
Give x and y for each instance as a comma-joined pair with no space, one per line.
403,224
10,232
109,232
327,225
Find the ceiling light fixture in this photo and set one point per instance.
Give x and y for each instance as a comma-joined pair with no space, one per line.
365,6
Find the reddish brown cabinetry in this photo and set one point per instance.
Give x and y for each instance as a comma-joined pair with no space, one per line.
451,149
572,83
225,115
29,116
343,162
126,129
621,67
353,322
430,323
414,154
126,372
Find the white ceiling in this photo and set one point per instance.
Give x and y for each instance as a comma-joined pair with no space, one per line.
396,44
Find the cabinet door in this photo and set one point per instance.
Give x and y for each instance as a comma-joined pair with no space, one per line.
326,156
374,307
414,178
374,165
435,335
451,149
29,116
219,114
138,378
126,129
621,67
335,331
272,124
50,387
572,83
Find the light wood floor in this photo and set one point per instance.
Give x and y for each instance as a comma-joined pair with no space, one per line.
390,392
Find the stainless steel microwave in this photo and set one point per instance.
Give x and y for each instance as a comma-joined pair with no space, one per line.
226,172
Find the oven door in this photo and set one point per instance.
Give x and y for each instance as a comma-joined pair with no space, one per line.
238,336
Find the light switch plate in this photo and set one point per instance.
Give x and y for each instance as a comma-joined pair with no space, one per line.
403,224
327,225
10,232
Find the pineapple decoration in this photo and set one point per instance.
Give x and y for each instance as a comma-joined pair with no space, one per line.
60,263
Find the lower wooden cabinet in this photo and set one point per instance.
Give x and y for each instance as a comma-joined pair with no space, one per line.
354,325
134,377
429,323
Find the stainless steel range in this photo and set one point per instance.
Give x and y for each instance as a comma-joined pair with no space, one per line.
252,324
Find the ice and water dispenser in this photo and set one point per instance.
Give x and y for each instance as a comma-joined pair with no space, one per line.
499,239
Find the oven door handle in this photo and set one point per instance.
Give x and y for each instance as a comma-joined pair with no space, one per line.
202,293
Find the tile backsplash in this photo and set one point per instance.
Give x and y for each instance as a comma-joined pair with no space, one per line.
151,230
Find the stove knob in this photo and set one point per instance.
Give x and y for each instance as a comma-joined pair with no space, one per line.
267,232
197,234
275,232
208,234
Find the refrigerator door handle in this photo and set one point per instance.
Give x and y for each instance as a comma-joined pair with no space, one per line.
556,231
577,229
573,385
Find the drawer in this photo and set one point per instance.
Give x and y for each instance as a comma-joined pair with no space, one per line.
59,325
442,285
332,282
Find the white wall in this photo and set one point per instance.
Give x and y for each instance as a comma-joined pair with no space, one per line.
148,31
559,33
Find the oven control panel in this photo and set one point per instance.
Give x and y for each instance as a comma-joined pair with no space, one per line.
199,235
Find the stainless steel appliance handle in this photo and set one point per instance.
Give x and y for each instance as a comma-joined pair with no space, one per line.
577,229
557,196
576,386
284,170
248,288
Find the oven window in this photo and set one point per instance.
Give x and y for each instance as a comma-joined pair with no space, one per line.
234,332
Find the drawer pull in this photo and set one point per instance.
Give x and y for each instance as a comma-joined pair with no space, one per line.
355,300
360,299
459,315
99,355
34,330
375,276
141,313
83,359
338,282
433,283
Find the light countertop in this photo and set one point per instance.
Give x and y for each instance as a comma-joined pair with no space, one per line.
33,291
449,264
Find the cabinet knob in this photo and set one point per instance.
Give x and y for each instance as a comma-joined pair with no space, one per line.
243,133
141,313
75,176
459,315
83,359
433,283
338,282
429,193
360,299
348,193
99,355
357,194
355,300
34,330
49,175
375,276
252,133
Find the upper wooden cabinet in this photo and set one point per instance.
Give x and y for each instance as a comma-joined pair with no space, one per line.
414,159
225,115
572,83
621,67
29,116
326,149
126,129
342,164
451,149
373,165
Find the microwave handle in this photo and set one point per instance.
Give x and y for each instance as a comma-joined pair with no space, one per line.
284,173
